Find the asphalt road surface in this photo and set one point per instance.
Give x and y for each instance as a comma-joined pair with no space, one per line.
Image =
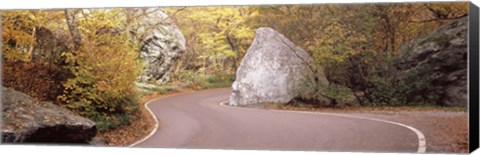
197,120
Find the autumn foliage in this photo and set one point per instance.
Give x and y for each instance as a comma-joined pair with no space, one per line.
87,59
96,80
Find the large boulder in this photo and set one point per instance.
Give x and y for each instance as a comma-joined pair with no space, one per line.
274,70
441,58
162,44
26,120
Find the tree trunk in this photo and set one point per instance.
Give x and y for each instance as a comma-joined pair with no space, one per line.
232,46
74,32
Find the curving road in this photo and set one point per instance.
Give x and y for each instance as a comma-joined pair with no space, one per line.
197,120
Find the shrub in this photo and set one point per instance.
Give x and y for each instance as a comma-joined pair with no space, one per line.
410,89
217,80
200,81
103,88
331,95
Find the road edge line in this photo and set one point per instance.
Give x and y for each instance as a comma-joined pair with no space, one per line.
422,142
154,130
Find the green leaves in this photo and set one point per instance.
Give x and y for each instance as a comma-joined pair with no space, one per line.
216,36
355,43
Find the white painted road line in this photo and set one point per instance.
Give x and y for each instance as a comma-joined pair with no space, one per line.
156,124
422,142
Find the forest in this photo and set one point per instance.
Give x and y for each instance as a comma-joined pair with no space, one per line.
88,60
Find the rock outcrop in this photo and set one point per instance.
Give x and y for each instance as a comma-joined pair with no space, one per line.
441,58
273,70
48,47
46,69
162,44
26,120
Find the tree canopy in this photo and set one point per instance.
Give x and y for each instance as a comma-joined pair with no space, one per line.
88,59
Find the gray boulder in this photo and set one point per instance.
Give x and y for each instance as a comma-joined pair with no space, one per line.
441,58
162,44
25,120
273,70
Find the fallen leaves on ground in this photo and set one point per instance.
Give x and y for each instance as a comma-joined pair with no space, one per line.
140,127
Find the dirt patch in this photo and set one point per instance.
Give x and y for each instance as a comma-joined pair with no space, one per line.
445,129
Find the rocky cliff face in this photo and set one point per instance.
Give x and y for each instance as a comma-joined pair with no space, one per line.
441,58
25,120
162,44
272,70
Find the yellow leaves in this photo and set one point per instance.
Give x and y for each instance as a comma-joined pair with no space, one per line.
62,98
19,28
229,53
105,69
215,35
